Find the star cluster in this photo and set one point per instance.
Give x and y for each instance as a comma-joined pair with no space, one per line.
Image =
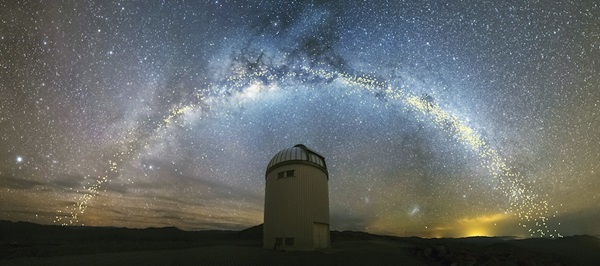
436,118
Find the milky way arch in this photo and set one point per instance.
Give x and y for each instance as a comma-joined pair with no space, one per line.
254,76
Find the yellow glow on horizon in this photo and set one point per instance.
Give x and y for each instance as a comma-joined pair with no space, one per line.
490,218
477,231
481,225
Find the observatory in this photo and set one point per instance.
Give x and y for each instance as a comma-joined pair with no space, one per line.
296,201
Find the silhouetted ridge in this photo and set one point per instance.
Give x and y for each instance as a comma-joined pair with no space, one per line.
252,233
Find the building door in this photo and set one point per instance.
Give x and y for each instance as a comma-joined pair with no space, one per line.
321,235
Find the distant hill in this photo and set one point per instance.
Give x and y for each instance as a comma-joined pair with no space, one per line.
24,232
254,233
23,239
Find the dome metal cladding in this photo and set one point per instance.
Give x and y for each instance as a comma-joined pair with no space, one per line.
298,154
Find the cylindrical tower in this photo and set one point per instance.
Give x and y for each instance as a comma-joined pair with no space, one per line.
296,201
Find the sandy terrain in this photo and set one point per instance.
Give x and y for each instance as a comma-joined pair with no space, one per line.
30,244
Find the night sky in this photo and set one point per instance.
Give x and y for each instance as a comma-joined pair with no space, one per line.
436,118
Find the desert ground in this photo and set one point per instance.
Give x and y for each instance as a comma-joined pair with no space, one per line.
31,244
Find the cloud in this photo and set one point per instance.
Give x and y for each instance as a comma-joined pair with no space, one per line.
343,219
584,221
67,181
11,182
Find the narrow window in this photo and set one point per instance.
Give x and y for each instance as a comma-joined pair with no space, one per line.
289,241
289,173
278,241
280,175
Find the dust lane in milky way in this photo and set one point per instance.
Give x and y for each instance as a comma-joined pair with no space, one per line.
436,119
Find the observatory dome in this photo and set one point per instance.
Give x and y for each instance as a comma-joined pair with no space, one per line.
299,154
296,201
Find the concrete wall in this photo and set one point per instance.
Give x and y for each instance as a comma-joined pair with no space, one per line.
294,204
